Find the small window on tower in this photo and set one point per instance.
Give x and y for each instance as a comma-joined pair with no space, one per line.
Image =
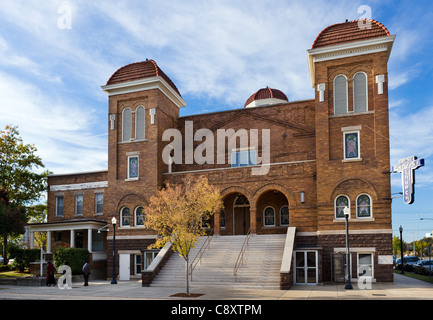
132,168
340,95
139,123
351,145
126,124
360,92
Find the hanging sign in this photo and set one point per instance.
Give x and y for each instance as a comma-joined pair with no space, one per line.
407,167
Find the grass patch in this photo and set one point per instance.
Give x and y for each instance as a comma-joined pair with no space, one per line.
416,276
13,274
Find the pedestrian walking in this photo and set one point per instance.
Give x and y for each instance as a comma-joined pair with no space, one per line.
50,274
86,272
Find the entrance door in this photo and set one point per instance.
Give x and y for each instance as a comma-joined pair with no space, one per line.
241,215
242,220
306,267
124,266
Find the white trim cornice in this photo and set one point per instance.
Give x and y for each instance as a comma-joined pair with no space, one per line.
349,49
146,84
79,186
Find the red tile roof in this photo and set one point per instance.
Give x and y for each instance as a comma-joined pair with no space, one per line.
349,31
266,93
139,70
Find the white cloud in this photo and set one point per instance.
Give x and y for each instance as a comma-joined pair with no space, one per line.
60,129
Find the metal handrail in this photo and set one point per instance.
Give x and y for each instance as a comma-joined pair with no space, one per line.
199,254
240,259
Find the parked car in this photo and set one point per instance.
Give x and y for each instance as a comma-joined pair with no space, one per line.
423,267
408,263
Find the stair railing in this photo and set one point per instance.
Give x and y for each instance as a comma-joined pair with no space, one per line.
199,254
240,259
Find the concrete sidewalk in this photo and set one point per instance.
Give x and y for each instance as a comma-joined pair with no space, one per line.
403,288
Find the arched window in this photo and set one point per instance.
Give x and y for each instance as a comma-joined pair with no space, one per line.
139,123
222,219
126,124
125,218
360,97
139,217
284,216
340,94
363,206
269,217
241,200
340,203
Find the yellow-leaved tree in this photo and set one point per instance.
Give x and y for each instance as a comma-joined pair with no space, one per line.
177,213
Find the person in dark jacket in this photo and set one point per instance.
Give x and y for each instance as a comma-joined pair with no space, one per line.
50,274
86,272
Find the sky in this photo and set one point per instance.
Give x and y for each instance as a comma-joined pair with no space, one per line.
56,55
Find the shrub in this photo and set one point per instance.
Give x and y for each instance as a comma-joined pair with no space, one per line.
74,257
23,257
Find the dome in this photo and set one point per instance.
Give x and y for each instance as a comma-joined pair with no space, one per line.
350,31
139,71
266,96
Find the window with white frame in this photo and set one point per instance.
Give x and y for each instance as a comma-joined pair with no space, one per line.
126,124
132,173
360,96
139,123
79,204
243,158
125,217
352,149
284,215
139,217
137,262
99,203
341,202
59,206
340,95
149,256
269,217
363,206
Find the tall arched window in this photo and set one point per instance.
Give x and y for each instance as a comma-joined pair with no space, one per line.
126,124
340,94
125,217
284,216
363,206
139,217
340,203
269,217
360,97
139,123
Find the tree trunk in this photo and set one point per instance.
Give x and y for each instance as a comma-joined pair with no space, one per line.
187,275
5,252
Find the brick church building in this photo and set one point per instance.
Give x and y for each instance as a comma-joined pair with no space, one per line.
325,154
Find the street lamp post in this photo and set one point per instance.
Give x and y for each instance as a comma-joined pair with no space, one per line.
114,221
401,249
346,215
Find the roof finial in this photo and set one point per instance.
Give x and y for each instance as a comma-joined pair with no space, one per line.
347,20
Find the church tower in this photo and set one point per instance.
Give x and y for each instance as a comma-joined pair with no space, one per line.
348,70
143,102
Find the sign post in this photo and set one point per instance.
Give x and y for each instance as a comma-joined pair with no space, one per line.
407,167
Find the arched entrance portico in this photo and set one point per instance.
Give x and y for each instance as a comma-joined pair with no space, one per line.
235,218
241,215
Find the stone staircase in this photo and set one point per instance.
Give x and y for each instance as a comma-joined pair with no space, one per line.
260,268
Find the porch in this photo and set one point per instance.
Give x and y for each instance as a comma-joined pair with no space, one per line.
84,233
